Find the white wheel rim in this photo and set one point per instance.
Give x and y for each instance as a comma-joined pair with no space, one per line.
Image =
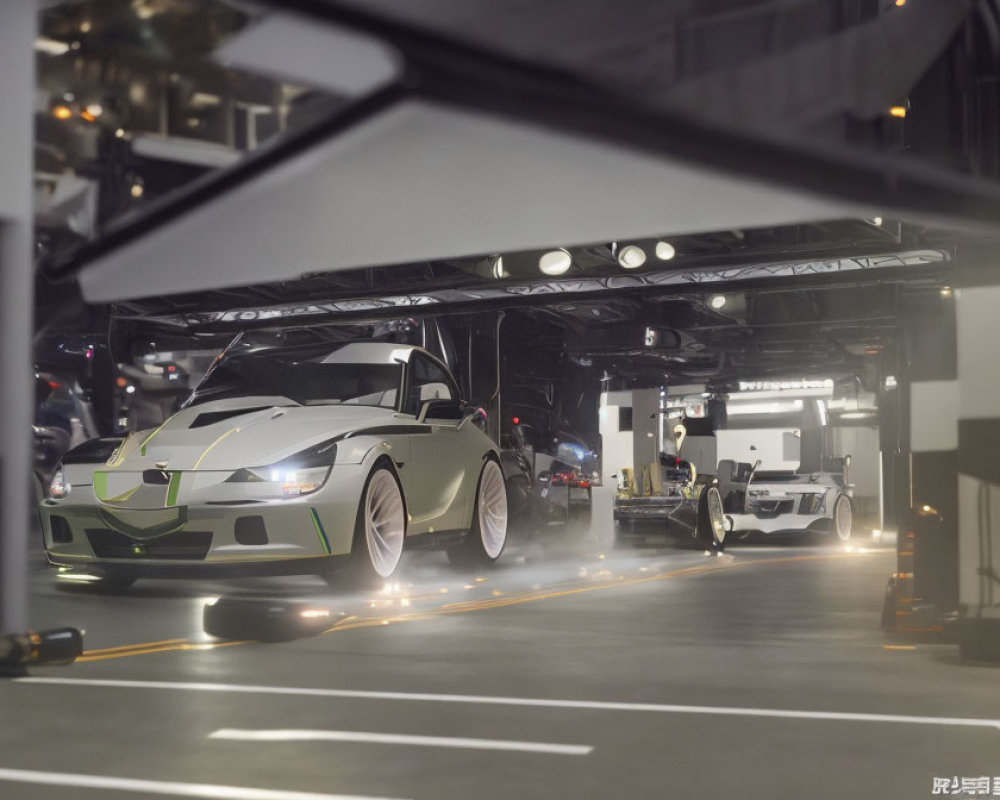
492,509
384,522
715,515
842,512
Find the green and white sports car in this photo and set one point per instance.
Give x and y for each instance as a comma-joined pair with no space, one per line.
281,463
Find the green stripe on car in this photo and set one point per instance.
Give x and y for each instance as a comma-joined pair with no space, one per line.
319,530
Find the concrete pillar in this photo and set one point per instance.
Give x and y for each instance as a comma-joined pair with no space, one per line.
645,421
18,22
978,304
933,389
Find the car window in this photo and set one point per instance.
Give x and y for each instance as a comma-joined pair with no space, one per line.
304,381
428,381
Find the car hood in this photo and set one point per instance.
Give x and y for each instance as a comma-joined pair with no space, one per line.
244,432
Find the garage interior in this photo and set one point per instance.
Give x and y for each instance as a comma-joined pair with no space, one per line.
769,224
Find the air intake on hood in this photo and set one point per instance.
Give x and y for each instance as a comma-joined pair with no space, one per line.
212,417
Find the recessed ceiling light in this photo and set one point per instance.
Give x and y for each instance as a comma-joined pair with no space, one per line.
631,256
665,251
717,301
555,262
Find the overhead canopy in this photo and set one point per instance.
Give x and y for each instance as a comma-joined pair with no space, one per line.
449,150
425,181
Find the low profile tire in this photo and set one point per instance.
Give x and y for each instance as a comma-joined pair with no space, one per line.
711,519
843,517
379,531
488,535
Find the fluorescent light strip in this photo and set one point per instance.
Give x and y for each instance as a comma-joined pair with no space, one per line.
738,409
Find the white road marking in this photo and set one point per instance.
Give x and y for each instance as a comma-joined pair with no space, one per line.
286,735
597,705
207,791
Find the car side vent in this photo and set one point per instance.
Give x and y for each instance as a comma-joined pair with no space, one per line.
250,530
211,417
156,477
61,532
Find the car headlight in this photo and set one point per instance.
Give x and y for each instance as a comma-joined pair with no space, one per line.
59,487
296,475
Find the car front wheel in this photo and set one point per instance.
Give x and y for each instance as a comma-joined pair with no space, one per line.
378,532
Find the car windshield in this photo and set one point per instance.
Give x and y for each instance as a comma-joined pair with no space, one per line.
304,381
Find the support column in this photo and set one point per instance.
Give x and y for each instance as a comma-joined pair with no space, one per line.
932,388
645,447
978,302
18,22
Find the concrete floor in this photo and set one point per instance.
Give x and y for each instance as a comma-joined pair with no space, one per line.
642,672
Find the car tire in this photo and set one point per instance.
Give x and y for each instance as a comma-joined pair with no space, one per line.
379,530
843,518
488,532
711,530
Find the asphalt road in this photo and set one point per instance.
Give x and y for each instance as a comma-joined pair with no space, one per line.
571,669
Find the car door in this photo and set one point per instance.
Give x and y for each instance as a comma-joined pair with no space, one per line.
436,479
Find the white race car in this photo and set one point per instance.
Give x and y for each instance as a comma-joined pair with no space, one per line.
779,502
285,463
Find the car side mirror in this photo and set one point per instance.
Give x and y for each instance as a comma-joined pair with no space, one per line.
440,409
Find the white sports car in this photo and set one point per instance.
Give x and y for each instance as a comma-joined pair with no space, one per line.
282,463
780,502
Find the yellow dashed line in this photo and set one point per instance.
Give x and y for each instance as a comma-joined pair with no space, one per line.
354,623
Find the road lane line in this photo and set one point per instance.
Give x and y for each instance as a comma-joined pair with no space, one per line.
187,645
292,735
206,791
143,645
531,702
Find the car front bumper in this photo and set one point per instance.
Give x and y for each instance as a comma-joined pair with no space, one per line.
286,536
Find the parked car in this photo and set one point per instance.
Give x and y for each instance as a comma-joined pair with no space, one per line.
782,502
282,462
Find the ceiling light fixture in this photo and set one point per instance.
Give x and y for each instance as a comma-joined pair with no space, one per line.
631,256
53,47
665,251
555,262
946,291
717,301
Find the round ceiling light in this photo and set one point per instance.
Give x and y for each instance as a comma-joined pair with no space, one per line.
665,251
717,301
555,262
631,256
